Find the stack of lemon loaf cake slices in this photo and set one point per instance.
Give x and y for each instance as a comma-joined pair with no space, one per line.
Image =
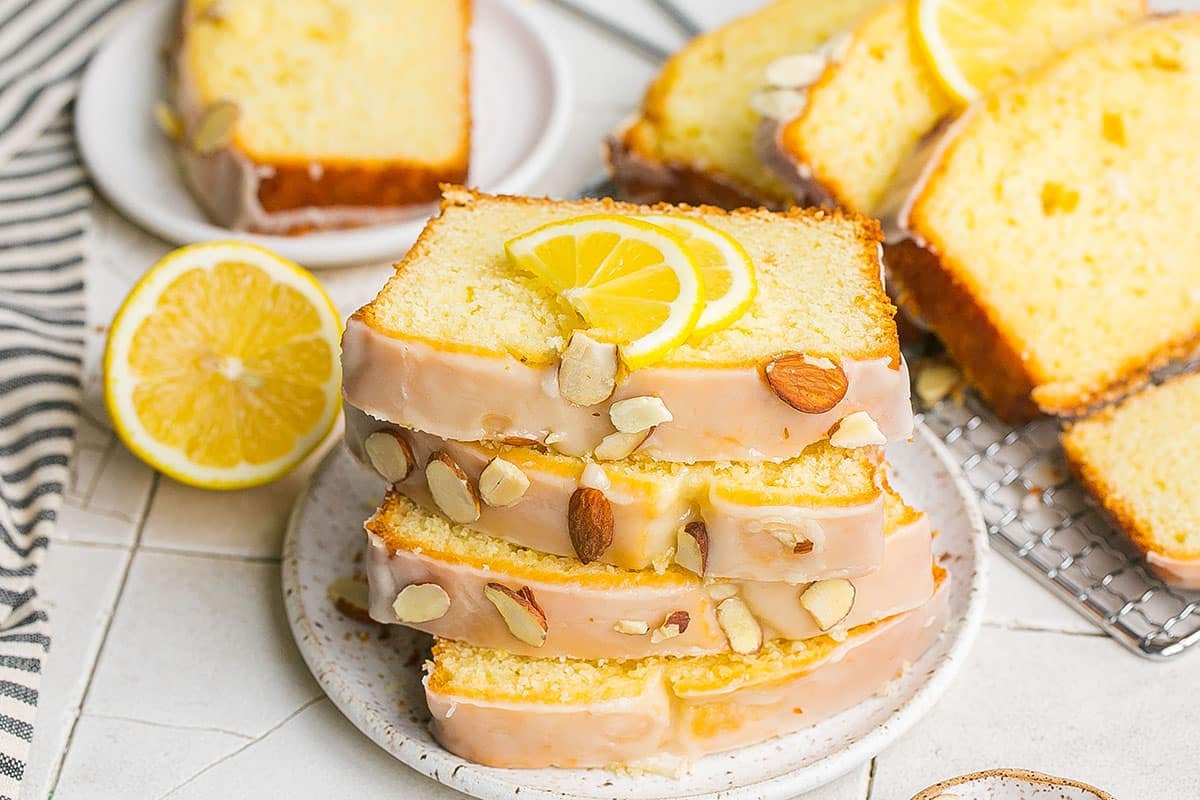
637,485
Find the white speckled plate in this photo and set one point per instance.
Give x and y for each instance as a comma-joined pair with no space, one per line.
377,682
520,99
1011,784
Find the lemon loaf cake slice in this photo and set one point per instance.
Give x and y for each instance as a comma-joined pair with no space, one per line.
1140,459
877,90
294,115
1071,271
462,344
819,515
504,710
445,579
693,139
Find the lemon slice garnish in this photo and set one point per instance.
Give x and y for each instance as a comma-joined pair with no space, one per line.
633,283
725,269
971,45
222,366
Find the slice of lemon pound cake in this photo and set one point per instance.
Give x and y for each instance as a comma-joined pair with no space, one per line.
1140,459
693,139
319,114
816,516
507,320
879,90
503,710
456,583
1072,270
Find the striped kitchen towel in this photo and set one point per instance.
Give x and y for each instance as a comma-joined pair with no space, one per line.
44,221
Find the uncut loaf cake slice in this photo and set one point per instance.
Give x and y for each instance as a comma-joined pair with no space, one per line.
448,580
1140,459
693,139
503,710
819,515
297,114
876,90
1071,271
463,345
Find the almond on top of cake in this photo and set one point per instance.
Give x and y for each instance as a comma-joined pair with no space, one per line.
467,345
692,141
505,710
1071,271
1140,459
303,114
880,90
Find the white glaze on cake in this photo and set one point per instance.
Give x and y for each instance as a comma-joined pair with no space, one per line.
658,722
847,540
582,612
720,413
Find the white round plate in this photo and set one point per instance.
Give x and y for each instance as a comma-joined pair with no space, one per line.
520,100
377,682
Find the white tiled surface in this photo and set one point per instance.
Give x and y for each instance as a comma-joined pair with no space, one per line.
195,689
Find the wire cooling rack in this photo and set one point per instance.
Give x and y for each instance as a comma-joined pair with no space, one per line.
1041,519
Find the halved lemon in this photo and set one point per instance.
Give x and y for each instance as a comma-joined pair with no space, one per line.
222,366
725,269
633,283
971,45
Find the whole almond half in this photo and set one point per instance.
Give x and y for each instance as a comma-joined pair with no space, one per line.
674,625
214,128
857,430
452,490
741,628
502,483
168,121
795,71
421,602
616,446
390,454
637,414
829,601
520,612
806,384
691,547
589,523
587,373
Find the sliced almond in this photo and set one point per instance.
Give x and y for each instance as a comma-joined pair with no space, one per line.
805,384
619,445
675,624
502,483
214,129
349,596
857,430
721,591
587,373
779,104
590,523
451,488
632,627
829,601
421,602
637,414
691,547
935,381
521,613
742,629
794,537
795,71
390,454
168,121
520,441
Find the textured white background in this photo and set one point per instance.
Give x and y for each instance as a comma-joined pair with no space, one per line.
173,673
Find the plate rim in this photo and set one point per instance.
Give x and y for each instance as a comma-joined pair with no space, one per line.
478,784
333,248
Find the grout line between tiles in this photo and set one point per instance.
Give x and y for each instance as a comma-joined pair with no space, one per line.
60,761
1023,628
87,544
244,736
159,549
113,444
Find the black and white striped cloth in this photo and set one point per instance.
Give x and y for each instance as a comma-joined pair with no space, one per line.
44,221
